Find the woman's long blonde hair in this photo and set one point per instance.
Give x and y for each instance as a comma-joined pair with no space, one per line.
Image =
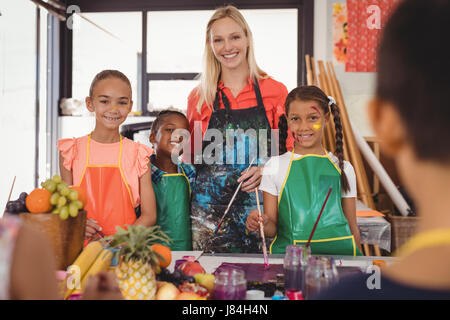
212,69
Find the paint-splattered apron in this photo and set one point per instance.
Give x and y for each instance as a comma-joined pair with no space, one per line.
216,183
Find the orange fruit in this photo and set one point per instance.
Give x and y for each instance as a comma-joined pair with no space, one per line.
81,194
38,201
165,252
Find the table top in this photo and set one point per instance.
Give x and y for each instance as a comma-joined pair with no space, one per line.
210,262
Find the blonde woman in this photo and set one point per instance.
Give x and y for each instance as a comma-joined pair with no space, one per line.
234,93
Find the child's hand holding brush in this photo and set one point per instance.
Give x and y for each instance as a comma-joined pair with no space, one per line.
253,220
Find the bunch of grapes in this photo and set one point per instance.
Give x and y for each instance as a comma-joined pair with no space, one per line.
64,200
177,277
17,206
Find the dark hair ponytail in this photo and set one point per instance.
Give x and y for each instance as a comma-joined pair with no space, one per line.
339,144
283,127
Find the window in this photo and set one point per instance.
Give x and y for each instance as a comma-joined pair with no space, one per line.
18,62
176,40
106,41
170,93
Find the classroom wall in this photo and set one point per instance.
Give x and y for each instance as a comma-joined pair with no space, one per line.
357,87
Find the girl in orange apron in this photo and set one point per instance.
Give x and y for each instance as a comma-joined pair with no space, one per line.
110,202
112,170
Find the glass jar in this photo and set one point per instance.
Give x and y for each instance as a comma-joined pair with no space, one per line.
230,284
295,262
321,273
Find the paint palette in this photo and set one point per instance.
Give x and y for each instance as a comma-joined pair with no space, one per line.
256,272
258,277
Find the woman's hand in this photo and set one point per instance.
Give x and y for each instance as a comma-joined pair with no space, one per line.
102,286
252,179
93,230
253,220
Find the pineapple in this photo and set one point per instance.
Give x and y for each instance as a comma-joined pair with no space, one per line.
137,260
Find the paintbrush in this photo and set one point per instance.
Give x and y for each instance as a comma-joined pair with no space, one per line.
261,230
318,218
12,187
232,199
10,192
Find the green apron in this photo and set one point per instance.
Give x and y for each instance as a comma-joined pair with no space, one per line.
172,193
307,183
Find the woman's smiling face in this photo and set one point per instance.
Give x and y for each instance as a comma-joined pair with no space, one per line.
229,43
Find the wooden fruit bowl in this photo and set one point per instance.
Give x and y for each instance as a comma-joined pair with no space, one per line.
65,236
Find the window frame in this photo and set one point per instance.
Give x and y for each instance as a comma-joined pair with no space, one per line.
305,34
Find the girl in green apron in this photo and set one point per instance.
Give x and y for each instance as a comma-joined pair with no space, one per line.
296,183
171,180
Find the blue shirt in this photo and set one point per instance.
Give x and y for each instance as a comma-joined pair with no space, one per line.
189,171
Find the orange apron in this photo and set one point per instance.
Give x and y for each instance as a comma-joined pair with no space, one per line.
110,201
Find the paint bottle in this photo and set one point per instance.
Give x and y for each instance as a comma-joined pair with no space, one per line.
294,267
230,284
321,273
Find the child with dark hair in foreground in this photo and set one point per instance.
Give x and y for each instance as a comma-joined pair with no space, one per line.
410,116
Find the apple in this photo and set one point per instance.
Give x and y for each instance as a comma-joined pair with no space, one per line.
167,291
159,284
189,296
191,268
206,280
196,288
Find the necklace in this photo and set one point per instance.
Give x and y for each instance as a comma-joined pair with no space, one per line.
427,239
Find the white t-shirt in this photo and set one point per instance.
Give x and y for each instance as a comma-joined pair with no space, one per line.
276,168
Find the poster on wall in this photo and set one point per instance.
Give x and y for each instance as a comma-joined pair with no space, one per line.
340,33
366,19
